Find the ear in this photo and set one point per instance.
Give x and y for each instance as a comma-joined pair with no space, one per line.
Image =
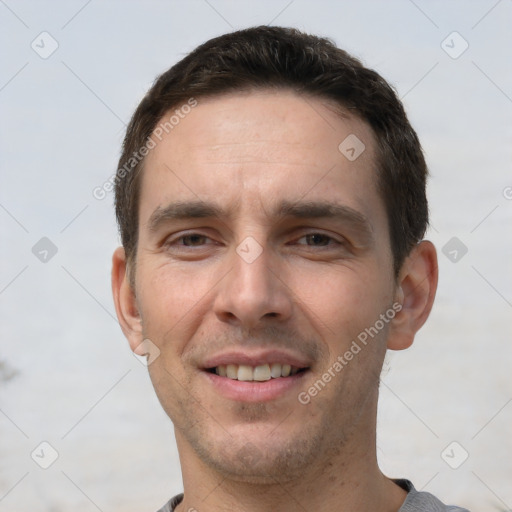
416,290
125,300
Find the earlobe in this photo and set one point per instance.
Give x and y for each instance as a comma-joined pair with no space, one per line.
125,300
416,289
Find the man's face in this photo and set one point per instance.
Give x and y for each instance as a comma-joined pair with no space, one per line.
257,272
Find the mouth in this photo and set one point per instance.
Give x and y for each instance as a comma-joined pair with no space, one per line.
257,377
259,373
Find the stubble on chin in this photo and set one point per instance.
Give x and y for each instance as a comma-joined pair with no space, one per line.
262,455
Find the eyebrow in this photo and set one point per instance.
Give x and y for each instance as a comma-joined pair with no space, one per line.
183,210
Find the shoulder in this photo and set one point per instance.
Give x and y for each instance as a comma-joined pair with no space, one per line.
414,502
171,504
417,501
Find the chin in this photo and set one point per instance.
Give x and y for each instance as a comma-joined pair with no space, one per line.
265,471
255,459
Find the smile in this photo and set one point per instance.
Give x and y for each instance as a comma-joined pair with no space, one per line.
260,373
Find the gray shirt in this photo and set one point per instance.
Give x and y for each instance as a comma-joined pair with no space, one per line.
414,502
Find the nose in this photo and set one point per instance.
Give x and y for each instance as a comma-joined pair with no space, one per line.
253,292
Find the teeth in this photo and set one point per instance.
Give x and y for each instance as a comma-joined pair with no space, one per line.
259,373
275,370
231,371
262,372
245,372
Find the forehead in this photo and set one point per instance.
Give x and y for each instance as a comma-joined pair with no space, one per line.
254,149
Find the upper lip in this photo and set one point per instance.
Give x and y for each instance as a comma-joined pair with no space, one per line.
256,358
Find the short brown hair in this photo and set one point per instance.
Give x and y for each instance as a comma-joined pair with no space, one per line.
275,57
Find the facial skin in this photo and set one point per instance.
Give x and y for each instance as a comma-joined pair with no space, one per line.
317,284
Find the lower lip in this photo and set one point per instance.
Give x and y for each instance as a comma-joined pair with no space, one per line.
243,391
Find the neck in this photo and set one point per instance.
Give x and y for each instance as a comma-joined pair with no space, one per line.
343,478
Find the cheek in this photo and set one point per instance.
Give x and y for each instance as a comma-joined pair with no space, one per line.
341,301
172,301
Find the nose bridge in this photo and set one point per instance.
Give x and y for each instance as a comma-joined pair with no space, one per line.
252,268
252,290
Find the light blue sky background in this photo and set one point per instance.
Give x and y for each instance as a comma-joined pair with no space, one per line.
76,384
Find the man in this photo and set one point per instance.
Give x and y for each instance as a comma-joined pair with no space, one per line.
271,204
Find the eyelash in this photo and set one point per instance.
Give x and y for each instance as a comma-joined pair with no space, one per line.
194,234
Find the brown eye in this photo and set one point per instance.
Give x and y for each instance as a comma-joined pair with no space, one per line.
187,241
193,240
318,239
